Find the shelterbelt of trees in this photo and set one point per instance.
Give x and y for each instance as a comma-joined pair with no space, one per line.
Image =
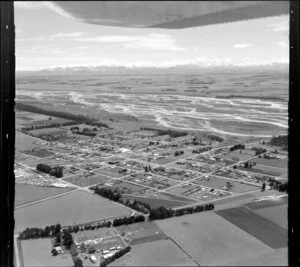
154,213
281,140
171,133
60,114
56,171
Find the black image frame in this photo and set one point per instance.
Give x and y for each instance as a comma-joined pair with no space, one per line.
7,131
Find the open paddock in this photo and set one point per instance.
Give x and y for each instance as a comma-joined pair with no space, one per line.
158,253
276,214
25,142
25,193
40,153
266,170
37,253
112,172
279,163
261,228
82,207
156,202
210,239
86,179
46,131
221,183
236,156
32,116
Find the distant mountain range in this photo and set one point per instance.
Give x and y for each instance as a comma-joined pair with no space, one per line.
143,69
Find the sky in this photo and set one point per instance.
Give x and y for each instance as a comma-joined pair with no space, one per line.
46,38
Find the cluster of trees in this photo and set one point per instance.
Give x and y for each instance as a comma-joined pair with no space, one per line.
201,149
115,195
67,238
171,133
259,150
112,194
136,205
281,186
56,171
215,138
91,134
128,220
281,140
96,123
68,242
94,226
236,147
178,153
163,213
48,137
117,255
249,164
48,231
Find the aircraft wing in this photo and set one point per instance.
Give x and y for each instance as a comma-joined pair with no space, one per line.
168,14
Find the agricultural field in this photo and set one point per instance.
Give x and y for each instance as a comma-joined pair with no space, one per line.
198,192
279,163
40,153
140,233
26,142
36,253
114,172
157,253
82,207
86,179
156,202
263,229
221,183
52,131
25,193
212,240
267,170
237,156
278,257
277,214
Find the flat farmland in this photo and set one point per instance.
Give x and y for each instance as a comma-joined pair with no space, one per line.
263,229
54,131
277,214
156,202
25,142
236,156
36,253
278,257
87,180
82,207
267,170
279,163
158,253
220,183
110,172
139,233
210,239
40,153
25,193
